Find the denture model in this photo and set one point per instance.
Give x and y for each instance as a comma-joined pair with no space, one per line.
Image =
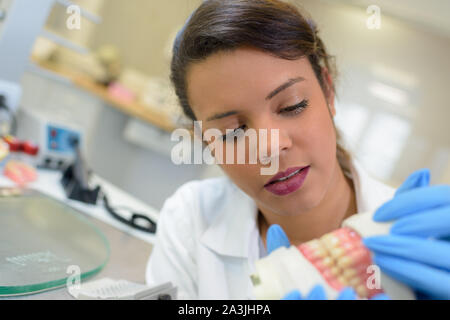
336,260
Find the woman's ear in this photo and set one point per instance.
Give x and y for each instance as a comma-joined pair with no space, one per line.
329,90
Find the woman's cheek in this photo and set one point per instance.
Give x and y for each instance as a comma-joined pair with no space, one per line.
246,176
317,142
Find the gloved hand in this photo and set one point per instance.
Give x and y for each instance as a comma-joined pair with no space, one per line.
318,293
277,238
416,251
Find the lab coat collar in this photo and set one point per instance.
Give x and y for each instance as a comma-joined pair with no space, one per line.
230,231
368,190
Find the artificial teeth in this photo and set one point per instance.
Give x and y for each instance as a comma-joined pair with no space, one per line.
349,273
342,260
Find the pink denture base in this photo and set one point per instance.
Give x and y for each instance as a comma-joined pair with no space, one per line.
342,260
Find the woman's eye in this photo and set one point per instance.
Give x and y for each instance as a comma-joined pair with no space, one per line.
295,109
234,133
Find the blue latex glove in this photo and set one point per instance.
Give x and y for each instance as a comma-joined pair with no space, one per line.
416,252
277,238
318,293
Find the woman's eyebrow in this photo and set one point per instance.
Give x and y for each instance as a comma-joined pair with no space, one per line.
284,86
221,115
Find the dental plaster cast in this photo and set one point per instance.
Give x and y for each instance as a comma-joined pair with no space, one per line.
336,260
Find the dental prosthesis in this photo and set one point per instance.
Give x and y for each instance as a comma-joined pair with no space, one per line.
336,260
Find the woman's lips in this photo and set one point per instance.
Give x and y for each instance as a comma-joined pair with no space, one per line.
284,183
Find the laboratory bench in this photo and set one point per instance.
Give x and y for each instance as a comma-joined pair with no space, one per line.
129,248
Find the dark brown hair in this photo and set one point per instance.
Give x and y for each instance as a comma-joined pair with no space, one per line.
272,26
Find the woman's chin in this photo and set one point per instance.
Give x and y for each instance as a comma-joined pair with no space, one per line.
291,207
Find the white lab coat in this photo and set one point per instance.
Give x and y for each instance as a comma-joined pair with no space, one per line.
208,240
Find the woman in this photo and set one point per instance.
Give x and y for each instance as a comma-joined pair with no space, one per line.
259,64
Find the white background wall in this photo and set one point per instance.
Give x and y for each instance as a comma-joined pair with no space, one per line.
402,55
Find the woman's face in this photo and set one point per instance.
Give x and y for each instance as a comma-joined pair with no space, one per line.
247,88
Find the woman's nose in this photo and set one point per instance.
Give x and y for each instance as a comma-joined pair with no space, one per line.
285,142
274,144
